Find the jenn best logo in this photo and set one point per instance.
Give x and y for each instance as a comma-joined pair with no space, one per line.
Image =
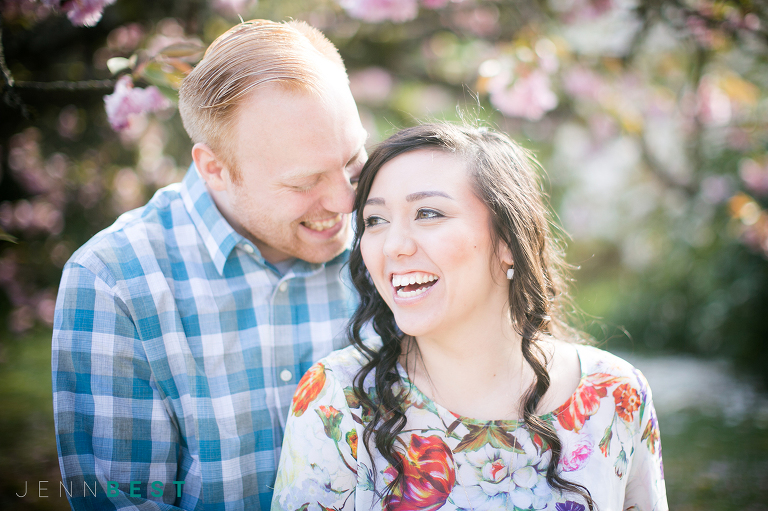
153,489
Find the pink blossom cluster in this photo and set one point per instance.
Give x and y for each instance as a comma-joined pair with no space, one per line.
233,7
521,86
84,13
377,11
752,222
755,175
704,31
40,216
579,10
29,304
371,85
128,100
529,96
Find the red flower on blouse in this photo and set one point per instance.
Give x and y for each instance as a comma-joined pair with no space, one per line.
309,387
428,476
585,401
627,401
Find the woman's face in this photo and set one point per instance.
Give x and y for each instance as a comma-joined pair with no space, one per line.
427,244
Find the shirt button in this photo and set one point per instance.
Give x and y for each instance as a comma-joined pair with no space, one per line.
282,288
286,375
248,248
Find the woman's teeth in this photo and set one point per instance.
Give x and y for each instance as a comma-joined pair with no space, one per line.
325,224
413,278
402,282
407,294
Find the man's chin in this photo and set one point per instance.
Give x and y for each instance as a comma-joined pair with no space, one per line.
319,247
322,254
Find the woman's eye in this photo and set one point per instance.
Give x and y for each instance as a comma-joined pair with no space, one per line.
374,220
427,214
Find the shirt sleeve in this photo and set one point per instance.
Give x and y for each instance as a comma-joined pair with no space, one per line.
645,490
118,446
318,463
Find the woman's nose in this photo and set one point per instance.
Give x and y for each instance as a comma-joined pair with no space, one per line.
399,242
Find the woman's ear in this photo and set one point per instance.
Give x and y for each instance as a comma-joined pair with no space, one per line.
505,256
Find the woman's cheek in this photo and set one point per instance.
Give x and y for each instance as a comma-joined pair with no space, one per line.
373,258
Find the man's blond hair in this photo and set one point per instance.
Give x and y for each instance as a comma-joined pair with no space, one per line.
245,57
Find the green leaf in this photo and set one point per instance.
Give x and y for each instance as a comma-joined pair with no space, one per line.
161,75
4,236
489,433
453,426
188,49
331,419
351,397
605,443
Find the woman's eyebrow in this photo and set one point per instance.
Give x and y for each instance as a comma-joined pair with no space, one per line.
423,195
378,201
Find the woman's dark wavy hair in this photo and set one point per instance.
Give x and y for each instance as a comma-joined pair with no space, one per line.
504,177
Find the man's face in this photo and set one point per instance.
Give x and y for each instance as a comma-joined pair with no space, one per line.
298,156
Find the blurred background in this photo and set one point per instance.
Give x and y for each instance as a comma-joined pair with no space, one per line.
650,118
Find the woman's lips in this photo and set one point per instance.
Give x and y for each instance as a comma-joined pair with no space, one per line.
412,284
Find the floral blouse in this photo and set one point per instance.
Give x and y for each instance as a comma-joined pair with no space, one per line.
608,429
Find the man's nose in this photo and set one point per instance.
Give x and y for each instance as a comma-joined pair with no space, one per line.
340,196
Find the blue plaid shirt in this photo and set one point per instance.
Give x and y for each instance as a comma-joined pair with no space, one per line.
176,352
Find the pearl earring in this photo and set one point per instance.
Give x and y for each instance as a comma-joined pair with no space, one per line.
510,273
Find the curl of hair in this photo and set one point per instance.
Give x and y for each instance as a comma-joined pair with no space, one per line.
504,178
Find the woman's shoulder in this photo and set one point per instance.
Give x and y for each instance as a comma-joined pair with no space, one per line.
597,364
345,363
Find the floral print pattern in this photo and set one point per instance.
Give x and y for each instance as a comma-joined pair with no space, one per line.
428,476
309,388
455,463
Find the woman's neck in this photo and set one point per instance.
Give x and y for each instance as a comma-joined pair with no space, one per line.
477,371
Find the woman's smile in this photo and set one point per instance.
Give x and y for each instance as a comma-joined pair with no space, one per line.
412,284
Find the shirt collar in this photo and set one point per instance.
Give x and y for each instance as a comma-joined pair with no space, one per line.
218,236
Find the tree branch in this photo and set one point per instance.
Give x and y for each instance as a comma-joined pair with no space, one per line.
64,85
9,95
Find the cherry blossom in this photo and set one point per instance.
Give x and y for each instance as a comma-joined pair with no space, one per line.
713,104
376,11
229,7
434,4
754,175
371,85
581,82
529,97
127,100
85,13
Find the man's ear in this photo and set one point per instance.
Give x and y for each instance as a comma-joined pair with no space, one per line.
211,169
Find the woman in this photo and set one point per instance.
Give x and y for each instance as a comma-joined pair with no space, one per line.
475,396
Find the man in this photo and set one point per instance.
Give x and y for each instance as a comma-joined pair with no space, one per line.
181,331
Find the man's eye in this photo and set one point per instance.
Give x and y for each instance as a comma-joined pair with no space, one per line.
427,214
374,220
303,189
